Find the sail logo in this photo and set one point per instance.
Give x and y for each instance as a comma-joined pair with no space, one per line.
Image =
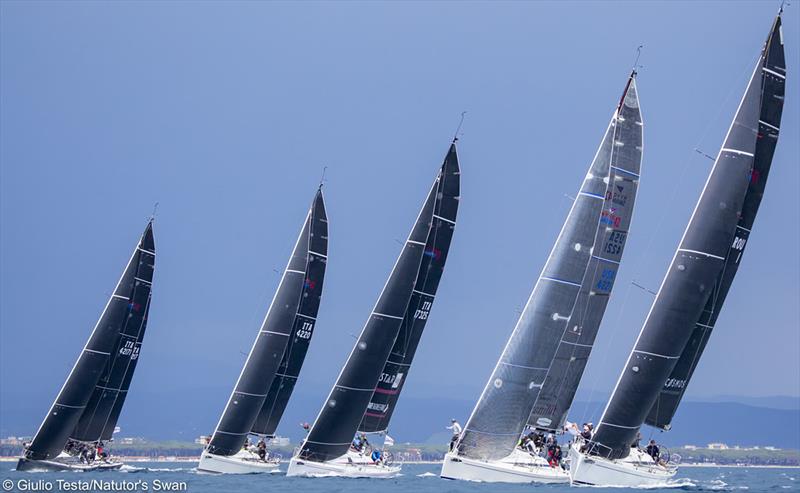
617,197
615,242
423,312
610,219
393,380
434,253
739,243
134,307
675,383
127,349
309,284
606,281
377,406
135,353
304,332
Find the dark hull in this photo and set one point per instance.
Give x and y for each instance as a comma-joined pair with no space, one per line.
70,464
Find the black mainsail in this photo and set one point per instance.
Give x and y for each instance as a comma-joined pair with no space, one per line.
390,384
547,351
339,419
283,322
702,270
107,360
285,378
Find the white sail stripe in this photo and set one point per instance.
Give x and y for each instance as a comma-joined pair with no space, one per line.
120,297
306,316
592,195
318,254
248,393
444,219
618,426
284,375
110,388
423,292
576,344
273,332
704,325
397,363
146,251
742,227
737,151
473,430
769,125
701,253
562,281
231,433
71,407
523,366
656,354
388,316
354,388
605,259
143,280
326,443
293,271
97,352
776,74
415,242
624,171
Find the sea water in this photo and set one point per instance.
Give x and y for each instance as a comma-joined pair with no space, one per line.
415,478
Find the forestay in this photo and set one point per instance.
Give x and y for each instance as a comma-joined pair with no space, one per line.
703,265
555,308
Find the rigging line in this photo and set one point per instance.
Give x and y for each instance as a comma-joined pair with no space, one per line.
458,129
322,178
153,215
636,61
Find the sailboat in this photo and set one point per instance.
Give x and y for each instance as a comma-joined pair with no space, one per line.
534,382
85,413
273,365
692,293
366,391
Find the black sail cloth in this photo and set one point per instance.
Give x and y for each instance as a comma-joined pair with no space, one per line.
773,87
338,420
106,350
279,327
698,269
550,323
286,376
390,384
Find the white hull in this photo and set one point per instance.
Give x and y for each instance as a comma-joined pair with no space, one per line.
66,462
242,463
636,470
350,465
519,467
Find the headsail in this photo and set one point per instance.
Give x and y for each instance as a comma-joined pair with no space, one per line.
566,370
101,351
772,93
338,420
381,406
699,269
280,325
292,361
556,305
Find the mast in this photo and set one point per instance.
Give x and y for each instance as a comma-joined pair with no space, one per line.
286,376
563,312
250,392
337,422
395,371
103,348
703,266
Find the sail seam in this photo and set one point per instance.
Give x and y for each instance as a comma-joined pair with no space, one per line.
737,151
386,315
555,279
655,354
444,219
701,253
765,69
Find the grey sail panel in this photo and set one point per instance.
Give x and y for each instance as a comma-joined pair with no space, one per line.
304,323
337,422
773,88
564,376
105,405
79,386
395,371
250,391
690,280
507,401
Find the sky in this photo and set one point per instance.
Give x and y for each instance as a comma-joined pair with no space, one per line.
226,115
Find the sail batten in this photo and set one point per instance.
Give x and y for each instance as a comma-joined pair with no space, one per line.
536,377
688,302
